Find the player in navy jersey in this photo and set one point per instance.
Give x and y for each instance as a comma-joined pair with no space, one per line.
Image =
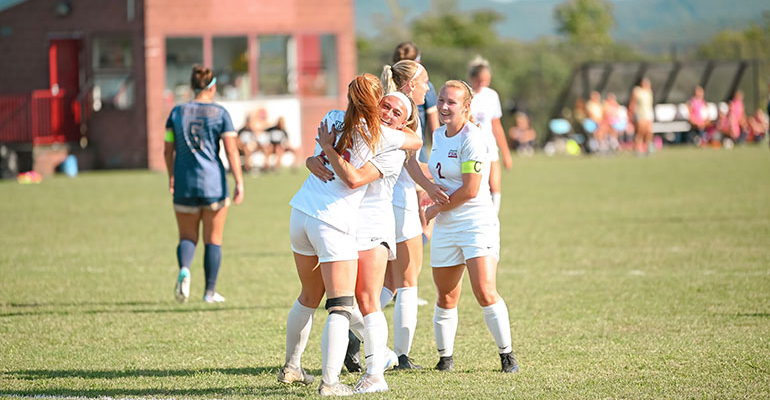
197,179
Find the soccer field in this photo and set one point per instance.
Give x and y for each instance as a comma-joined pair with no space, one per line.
625,277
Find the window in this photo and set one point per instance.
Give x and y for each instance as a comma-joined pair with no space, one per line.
318,65
181,55
274,65
231,67
113,80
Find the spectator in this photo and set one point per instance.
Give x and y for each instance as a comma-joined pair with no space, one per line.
614,121
757,126
737,117
698,114
641,112
594,123
522,135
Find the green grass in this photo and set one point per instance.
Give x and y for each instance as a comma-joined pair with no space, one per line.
625,277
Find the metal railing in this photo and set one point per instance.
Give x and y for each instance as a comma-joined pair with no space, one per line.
37,118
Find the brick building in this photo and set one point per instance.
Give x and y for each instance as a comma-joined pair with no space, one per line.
104,74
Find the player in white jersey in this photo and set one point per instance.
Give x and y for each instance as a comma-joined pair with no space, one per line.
376,242
487,111
322,230
467,231
411,78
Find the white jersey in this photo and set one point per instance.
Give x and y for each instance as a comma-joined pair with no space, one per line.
377,206
485,107
405,190
334,202
446,159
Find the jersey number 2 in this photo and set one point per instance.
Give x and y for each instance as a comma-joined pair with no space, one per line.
438,167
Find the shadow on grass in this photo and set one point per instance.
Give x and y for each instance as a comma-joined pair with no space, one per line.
178,309
276,390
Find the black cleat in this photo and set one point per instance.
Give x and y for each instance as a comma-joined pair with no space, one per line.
445,363
404,362
508,362
352,359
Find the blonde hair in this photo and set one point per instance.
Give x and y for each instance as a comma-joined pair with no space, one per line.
467,97
396,76
362,116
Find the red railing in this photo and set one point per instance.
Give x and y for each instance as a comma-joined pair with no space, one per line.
36,118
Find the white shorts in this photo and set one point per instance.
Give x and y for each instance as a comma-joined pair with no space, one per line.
448,249
368,243
313,237
408,224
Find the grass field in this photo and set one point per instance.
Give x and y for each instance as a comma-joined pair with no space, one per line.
625,277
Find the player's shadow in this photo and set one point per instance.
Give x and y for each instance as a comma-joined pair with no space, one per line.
273,390
135,307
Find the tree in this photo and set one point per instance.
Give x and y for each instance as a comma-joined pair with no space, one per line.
586,22
445,26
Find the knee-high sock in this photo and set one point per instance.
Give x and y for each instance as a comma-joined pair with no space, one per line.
385,297
298,327
375,342
185,252
334,342
212,257
496,201
496,317
404,319
444,329
357,323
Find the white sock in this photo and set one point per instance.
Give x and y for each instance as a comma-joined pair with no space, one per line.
496,201
298,327
404,319
444,329
375,341
385,297
357,323
334,343
496,317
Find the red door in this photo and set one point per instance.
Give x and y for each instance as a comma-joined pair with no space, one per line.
64,75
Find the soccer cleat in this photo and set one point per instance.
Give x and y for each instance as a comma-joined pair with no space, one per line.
391,359
445,363
352,359
371,384
288,374
404,362
335,389
182,288
213,298
508,362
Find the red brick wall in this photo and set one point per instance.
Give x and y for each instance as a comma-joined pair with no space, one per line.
243,17
116,138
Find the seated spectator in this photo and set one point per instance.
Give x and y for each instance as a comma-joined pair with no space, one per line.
614,122
757,126
698,113
277,143
594,123
522,136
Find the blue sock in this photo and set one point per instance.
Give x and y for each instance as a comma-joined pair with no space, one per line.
185,253
212,257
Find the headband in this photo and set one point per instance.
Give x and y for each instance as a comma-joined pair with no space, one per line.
419,70
209,86
405,100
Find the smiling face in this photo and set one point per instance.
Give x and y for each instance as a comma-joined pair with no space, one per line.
393,112
451,105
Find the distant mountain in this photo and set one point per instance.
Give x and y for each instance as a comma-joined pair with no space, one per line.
651,25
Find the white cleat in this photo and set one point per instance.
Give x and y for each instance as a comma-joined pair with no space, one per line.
288,374
391,359
371,384
213,298
335,389
182,288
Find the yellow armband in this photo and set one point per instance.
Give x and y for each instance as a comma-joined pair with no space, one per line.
170,135
471,167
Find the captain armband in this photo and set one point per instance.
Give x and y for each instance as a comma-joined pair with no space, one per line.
169,135
471,167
